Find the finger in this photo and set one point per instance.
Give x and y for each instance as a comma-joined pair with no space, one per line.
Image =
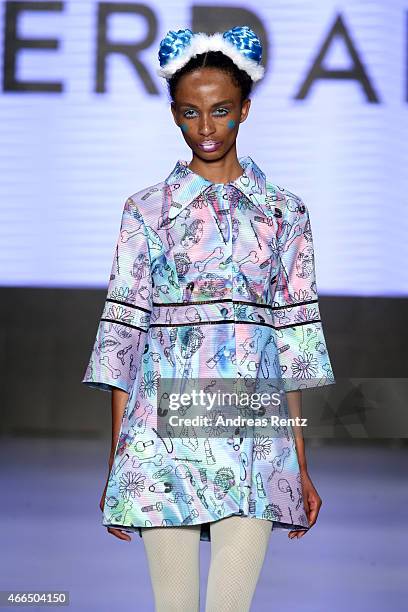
119,534
299,533
313,516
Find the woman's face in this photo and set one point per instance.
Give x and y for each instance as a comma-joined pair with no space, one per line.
207,107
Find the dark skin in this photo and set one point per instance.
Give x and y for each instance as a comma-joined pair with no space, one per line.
206,101
205,88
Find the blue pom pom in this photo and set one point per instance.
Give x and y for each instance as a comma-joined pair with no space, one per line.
173,44
246,41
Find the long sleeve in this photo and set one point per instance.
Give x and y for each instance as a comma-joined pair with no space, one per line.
121,335
302,352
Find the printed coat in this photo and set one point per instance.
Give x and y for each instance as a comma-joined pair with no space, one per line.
208,281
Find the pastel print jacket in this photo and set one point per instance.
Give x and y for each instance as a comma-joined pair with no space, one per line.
235,258
208,281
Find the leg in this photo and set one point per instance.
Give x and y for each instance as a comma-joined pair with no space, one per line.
238,548
174,565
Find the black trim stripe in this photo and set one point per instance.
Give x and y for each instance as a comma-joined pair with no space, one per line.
118,322
296,324
192,303
163,304
232,321
128,304
295,304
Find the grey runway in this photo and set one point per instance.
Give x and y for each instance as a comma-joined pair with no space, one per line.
354,559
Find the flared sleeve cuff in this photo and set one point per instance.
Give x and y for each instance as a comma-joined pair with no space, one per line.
303,355
302,351
121,335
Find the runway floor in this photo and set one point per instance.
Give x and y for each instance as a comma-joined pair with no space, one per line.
354,559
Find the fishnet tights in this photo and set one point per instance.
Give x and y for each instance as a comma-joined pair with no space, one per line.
238,548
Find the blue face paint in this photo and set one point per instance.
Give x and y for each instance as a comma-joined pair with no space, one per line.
231,123
184,127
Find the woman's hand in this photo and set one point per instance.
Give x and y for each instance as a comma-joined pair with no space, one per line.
122,535
312,503
113,530
102,502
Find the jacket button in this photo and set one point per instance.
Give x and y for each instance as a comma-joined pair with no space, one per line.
227,352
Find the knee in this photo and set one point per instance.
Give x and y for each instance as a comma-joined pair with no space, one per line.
172,597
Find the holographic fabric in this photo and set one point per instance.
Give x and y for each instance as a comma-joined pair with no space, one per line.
208,281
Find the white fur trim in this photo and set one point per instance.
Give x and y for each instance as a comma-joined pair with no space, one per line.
200,43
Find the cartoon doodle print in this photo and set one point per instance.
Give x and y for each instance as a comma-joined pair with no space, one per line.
209,282
193,233
223,481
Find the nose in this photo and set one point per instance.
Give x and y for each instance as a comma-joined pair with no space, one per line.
206,126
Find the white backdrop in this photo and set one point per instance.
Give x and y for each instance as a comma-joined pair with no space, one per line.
69,158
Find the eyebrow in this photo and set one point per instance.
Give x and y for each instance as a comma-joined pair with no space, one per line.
216,103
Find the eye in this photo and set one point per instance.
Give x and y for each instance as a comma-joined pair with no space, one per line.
224,111
190,110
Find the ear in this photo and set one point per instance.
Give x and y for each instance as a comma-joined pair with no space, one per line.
245,109
174,112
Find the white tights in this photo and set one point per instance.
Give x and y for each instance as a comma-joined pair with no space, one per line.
238,548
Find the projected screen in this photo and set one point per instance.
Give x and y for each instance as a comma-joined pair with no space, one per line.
86,122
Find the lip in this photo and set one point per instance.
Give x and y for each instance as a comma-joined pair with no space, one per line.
211,146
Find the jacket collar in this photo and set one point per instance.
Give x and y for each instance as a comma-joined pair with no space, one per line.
183,186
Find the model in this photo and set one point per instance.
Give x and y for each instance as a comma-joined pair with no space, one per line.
213,278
